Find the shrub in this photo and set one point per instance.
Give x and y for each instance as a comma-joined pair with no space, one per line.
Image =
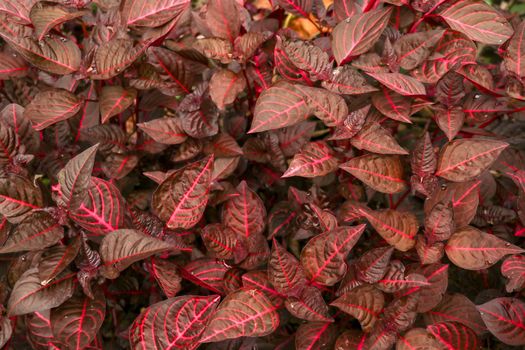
281,174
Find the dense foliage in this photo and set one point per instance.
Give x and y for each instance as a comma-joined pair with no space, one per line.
282,174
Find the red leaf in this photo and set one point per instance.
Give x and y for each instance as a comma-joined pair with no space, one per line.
400,83
18,196
373,138
102,210
165,130
18,9
258,279
243,313
513,268
430,295
207,273
115,100
121,248
323,256
176,322
505,318
44,17
76,322
223,19
30,295
393,105
315,159
277,107
463,160
454,335
439,223
479,21
449,120
293,138
39,331
372,266
244,212
167,276
397,228
143,13
315,336
225,86
52,106
39,230
472,249
383,173
347,80
56,259
297,7
115,55
365,303
284,272
514,58
325,105
309,306
224,243
357,34
13,116
417,339
75,179
181,198
12,66
414,48
456,308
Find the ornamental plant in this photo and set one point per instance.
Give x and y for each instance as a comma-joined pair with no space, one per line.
282,174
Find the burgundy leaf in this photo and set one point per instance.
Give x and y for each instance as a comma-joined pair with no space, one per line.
223,145
284,271
115,55
277,107
412,49
357,34
176,322
18,196
225,86
513,268
504,317
207,273
465,159
395,280
515,54
449,120
454,335
18,9
243,313
5,330
53,54
304,56
400,83
456,308
315,159
244,212
478,21
297,7
373,138
383,173
76,322
38,230
181,198
13,116
347,80
39,332
167,276
472,249
52,106
353,123
327,106
393,105
8,143
142,13
439,223
437,277
121,248
56,259
30,295
293,138
397,228
44,17
417,339
365,303
115,100
372,266
323,256
423,158
309,306
223,20
315,336
164,130
258,279
224,243
12,66
102,210
75,178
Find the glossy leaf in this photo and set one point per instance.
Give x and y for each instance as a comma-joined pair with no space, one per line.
400,83
176,322
45,17
315,159
323,256
454,335
114,100
309,306
246,312
504,317
397,228
52,106
381,172
373,138
315,335
142,13
513,268
181,198
472,249
225,86
165,130
56,259
284,271
515,54
244,213
357,34
18,197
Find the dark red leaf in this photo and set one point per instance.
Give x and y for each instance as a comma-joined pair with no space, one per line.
284,271
18,197
223,20
165,130
12,66
315,336
396,227
309,306
44,17
244,313
52,106
372,266
400,83
244,212
207,273
56,259
167,276
225,86
176,322
505,318
513,268
315,159
114,100
454,335
373,138
142,13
